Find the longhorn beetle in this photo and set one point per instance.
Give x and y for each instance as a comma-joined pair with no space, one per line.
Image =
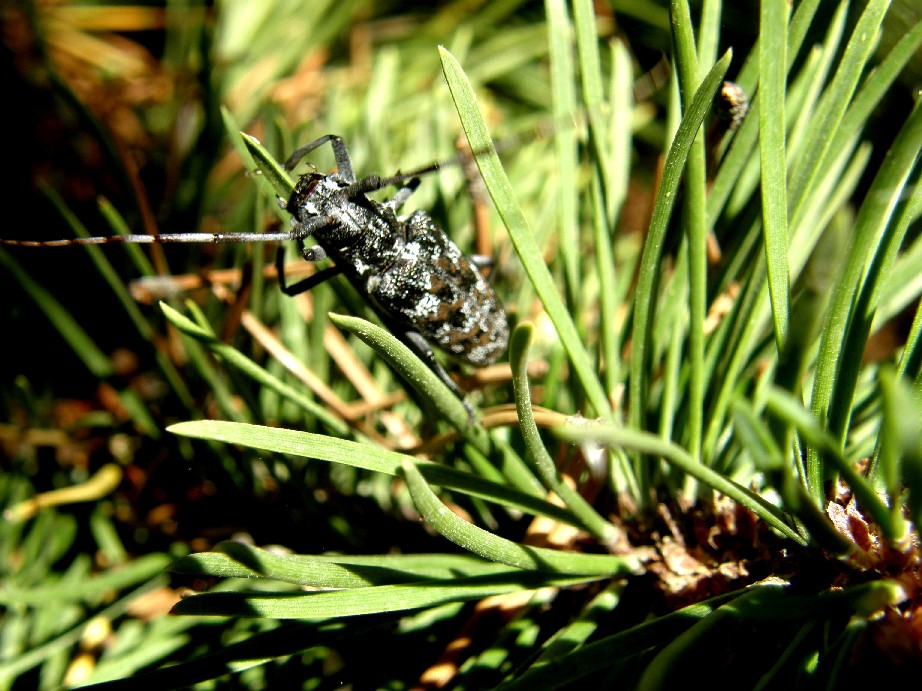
417,280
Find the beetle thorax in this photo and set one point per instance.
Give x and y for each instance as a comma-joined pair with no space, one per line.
363,234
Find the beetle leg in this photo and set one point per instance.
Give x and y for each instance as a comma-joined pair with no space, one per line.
303,285
423,350
403,194
343,162
313,254
372,183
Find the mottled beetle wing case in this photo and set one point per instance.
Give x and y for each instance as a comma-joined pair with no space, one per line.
434,289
